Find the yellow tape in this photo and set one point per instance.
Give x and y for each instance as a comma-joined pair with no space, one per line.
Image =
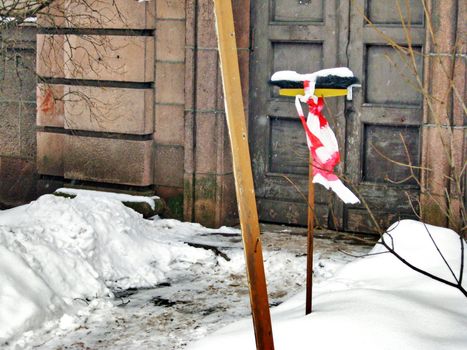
318,92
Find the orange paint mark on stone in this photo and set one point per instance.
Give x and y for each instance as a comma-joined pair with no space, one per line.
48,103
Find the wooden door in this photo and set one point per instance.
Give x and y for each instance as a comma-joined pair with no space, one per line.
308,35
288,35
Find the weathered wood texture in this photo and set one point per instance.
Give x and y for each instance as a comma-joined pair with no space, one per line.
309,35
244,186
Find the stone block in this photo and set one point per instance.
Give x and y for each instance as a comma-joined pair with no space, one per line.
190,79
242,22
9,129
434,178
206,206
17,181
206,89
189,143
443,24
109,57
173,198
173,9
28,130
50,148
213,155
207,146
170,40
105,109
52,16
8,88
110,14
188,197
229,209
170,82
114,161
17,77
226,165
190,20
169,126
50,106
434,158
457,198
459,117
215,200
207,37
50,56
48,185
168,166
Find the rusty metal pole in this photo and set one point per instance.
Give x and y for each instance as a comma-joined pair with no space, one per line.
310,231
243,174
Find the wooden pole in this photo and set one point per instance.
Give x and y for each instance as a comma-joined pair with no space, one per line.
310,231
243,175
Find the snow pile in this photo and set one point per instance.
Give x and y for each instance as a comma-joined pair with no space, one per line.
56,251
374,302
122,197
289,75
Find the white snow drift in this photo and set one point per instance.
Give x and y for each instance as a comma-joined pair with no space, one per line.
57,252
373,303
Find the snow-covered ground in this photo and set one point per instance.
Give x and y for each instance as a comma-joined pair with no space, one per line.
90,273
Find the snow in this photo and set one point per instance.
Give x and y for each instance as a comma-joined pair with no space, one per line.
12,19
66,266
122,197
56,251
289,75
374,302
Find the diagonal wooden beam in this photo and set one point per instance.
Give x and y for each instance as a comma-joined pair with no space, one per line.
243,174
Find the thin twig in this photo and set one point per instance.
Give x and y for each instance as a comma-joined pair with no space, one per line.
439,252
423,272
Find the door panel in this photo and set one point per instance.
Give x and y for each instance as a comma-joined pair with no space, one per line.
389,79
383,121
289,153
299,10
384,12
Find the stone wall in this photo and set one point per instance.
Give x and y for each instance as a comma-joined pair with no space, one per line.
169,135
95,96
444,154
105,122
18,176
209,184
